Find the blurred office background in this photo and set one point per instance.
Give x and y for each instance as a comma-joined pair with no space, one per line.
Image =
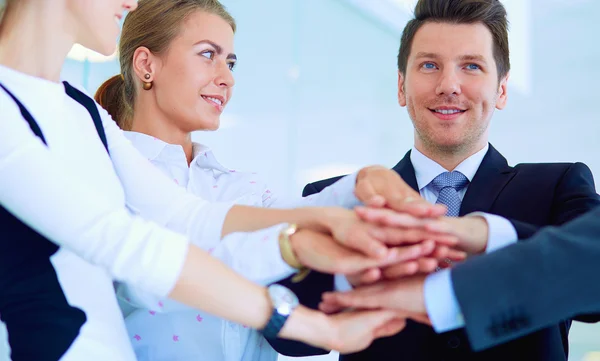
315,93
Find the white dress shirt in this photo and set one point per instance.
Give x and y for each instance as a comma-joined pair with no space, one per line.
440,299
162,329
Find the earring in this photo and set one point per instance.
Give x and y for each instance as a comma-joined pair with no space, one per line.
147,85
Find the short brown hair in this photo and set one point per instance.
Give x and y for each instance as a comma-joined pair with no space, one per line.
154,25
491,13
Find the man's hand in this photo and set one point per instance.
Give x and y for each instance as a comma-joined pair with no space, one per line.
404,295
424,265
472,232
377,186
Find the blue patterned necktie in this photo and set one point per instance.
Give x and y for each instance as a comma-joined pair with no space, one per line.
448,184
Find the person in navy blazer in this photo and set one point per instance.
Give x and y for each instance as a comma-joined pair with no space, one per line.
530,196
453,67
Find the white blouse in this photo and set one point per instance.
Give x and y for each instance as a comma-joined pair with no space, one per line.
166,330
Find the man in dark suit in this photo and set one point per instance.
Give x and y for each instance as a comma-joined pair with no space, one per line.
507,294
453,70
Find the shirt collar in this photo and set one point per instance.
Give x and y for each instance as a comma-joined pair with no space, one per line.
427,169
156,150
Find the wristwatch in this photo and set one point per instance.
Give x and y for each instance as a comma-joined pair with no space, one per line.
288,255
284,303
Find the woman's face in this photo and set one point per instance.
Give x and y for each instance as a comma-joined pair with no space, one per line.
96,23
193,79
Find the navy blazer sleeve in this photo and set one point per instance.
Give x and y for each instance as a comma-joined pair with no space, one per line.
309,291
557,280
575,195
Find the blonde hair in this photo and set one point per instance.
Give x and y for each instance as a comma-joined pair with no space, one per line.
154,25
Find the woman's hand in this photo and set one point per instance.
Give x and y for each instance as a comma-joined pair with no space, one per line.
373,238
346,332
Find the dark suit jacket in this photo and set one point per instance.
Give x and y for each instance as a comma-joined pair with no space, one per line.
556,279
530,196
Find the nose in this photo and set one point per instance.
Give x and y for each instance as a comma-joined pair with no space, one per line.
449,83
224,76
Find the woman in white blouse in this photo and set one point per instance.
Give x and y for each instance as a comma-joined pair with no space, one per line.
185,58
81,207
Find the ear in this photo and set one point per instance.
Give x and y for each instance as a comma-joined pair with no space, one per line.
502,95
144,62
401,93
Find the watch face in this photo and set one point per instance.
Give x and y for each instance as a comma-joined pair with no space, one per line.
284,300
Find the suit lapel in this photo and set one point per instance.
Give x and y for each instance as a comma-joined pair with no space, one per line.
491,177
406,170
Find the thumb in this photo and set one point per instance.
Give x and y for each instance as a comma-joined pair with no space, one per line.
365,192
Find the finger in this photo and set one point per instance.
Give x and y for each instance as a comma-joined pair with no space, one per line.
391,328
362,239
330,307
440,226
370,276
456,255
362,242
439,210
349,262
399,236
420,208
422,265
355,279
365,192
388,217
376,201
368,297
401,270
365,277
427,265
441,252
428,247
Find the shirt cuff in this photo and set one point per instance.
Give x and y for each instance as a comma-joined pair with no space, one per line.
343,192
341,283
501,232
264,264
441,303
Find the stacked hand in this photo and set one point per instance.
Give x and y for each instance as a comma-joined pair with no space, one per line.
385,249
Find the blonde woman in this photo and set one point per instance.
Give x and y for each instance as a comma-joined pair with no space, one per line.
182,53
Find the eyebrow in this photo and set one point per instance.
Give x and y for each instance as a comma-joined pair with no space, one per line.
467,57
473,57
218,48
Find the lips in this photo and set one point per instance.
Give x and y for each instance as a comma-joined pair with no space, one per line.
217,101
447,112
